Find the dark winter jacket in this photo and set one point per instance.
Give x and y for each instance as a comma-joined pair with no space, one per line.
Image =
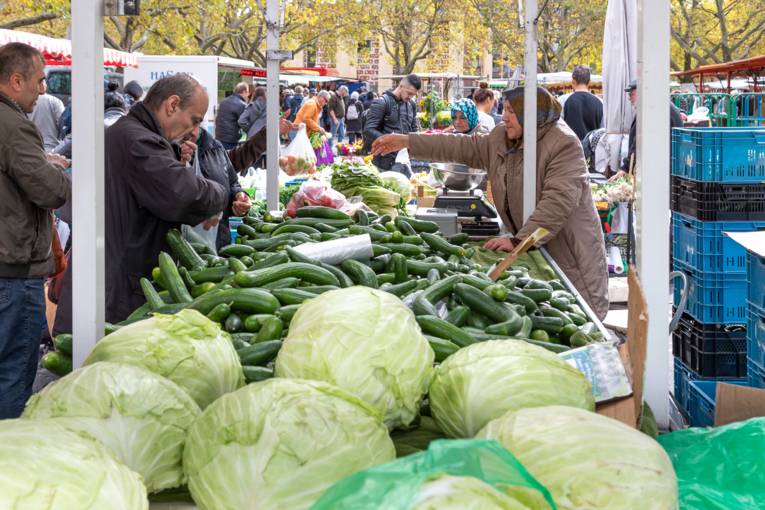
674,121
226,121
354,125
388,114
148,192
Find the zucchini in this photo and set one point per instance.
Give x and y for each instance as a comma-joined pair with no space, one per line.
441,245
284,283
152,297
57,362
401,289
270,329
521,299
176,287
410,250
189,258
236,250
360,273
253,374
317,211
219,313
234,323
292,296
306,272
63,343
260,353
421,225
286,313
459,315
291,229
440,328
459,239
441,347
243,300
253,323
476,301
211,274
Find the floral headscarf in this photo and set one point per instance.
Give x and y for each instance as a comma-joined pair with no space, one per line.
467,107
548,108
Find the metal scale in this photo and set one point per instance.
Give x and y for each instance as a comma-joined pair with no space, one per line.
460,206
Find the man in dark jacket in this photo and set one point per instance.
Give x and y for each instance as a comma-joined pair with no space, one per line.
149,190
394,112
227,129
31,184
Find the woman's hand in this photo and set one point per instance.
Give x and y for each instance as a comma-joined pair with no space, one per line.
617,175
389,143
500,244
241,205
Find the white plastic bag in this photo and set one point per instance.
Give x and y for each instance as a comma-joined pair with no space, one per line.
207,231
298,158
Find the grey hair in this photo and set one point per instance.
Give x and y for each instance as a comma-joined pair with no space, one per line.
324,94
241,87
18,58
182,85
343,88
298,90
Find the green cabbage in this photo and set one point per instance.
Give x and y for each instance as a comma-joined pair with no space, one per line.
279,444
44,466
464,493
484,381
365,341
587,460
187,348
140,416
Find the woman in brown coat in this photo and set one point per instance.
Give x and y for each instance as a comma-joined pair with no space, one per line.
564,204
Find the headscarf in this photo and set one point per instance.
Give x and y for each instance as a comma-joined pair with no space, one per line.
468,109
354,96
548,108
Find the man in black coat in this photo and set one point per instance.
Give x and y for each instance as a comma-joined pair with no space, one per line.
149,189
227,130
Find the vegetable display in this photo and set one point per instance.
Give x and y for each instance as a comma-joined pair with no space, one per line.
587,460
280,444
43,465
364,181
464,493
484,381
141,417
364,341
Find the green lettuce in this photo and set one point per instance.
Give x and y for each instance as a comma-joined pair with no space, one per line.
465,493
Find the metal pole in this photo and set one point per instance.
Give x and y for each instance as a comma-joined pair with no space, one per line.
652,194
88,176
272,104
530,113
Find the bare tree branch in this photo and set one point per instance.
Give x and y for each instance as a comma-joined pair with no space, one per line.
28,21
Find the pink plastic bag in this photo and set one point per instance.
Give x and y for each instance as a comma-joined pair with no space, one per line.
314,192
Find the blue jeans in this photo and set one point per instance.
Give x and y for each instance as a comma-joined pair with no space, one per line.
338,130
22,317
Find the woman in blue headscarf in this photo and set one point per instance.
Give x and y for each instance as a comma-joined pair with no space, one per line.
465,118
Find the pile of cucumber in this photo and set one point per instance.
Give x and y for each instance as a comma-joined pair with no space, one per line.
254,287
59,361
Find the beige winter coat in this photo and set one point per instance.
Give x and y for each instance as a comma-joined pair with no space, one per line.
564,204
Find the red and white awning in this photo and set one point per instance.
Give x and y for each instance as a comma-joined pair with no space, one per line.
59,51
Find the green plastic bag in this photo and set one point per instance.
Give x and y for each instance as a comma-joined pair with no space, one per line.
396,485
720,468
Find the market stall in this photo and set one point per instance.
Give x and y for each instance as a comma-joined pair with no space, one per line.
58,52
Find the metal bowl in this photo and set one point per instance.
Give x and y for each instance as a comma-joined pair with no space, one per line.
457,177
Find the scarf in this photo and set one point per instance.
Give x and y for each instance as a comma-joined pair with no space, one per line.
468,109
548,109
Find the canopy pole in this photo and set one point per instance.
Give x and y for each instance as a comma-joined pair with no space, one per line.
530,113
652,196
88,176
272,104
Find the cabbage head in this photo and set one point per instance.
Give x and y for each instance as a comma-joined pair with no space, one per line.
365,341
280,444
465,493
485,380
45,466
140,416
587,460
187,348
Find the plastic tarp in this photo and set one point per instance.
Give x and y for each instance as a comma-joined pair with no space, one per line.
720,468
619,68
59,51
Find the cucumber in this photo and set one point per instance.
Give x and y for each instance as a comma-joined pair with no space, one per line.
507,328
156,276
459,315
497,291
441,245
271,329
310,221
412,239
260,353
152,297
211,274
563,294
268,227
362,218
556,348
286,313
397,237
520,299
526,327
567,331
579,339
378,250
537,295
237,342
292,296
540,335
360,273
398,267
552,325
591,330
256,374
236,265
343,278
539,284
319,289
325,229
560,303
110,328
549,311
476,301
284,283
410,250
329,236
219,313
434,326
247,261
189,258
245,230
56,362
474,281
236,250
421,306
186,277
305,272
243,300
576,318
291,229
433,275
420,268
253,323
317,211
234,323
401,289
441,289
574,308
296,256
63,343
421,225
176,287
385,278
404,227
441,347
478,321
271,218
556,285
374,234
382,220
136,315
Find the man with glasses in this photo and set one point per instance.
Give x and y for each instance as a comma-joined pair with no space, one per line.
394,112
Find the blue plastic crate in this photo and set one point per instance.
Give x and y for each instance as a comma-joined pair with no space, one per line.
713,298
755,335
233,223
702,397
756,375
683,378
756,278
719,155
702,245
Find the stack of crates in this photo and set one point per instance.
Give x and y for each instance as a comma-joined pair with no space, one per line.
755,333
718,185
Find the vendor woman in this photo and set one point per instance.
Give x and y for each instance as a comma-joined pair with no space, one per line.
564,203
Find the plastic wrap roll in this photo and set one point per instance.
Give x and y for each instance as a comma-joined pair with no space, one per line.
338,250
615,259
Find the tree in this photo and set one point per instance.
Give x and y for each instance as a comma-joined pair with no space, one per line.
46,16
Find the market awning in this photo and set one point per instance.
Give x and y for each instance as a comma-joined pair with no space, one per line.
59,51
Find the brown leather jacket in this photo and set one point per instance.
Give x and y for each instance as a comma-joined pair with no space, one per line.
564,203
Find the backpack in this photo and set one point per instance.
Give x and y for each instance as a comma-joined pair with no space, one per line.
353,111
388,109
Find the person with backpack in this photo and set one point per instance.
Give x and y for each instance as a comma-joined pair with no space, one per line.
394,112
353,118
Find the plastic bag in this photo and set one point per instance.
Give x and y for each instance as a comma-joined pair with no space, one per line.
298,158
313,192
396,485
207,231
720,468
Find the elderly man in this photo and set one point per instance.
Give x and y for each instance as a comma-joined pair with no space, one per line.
338,104
227,130
310,111
149,187
31,184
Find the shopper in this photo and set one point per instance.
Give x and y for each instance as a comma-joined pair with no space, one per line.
353,116
45,116
114,105
337,105
294,104
394,112
484,103
149,190
583,111
31,184
253,119
564,204
369,99
250,152
133,93
227,130
464,118
311,110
